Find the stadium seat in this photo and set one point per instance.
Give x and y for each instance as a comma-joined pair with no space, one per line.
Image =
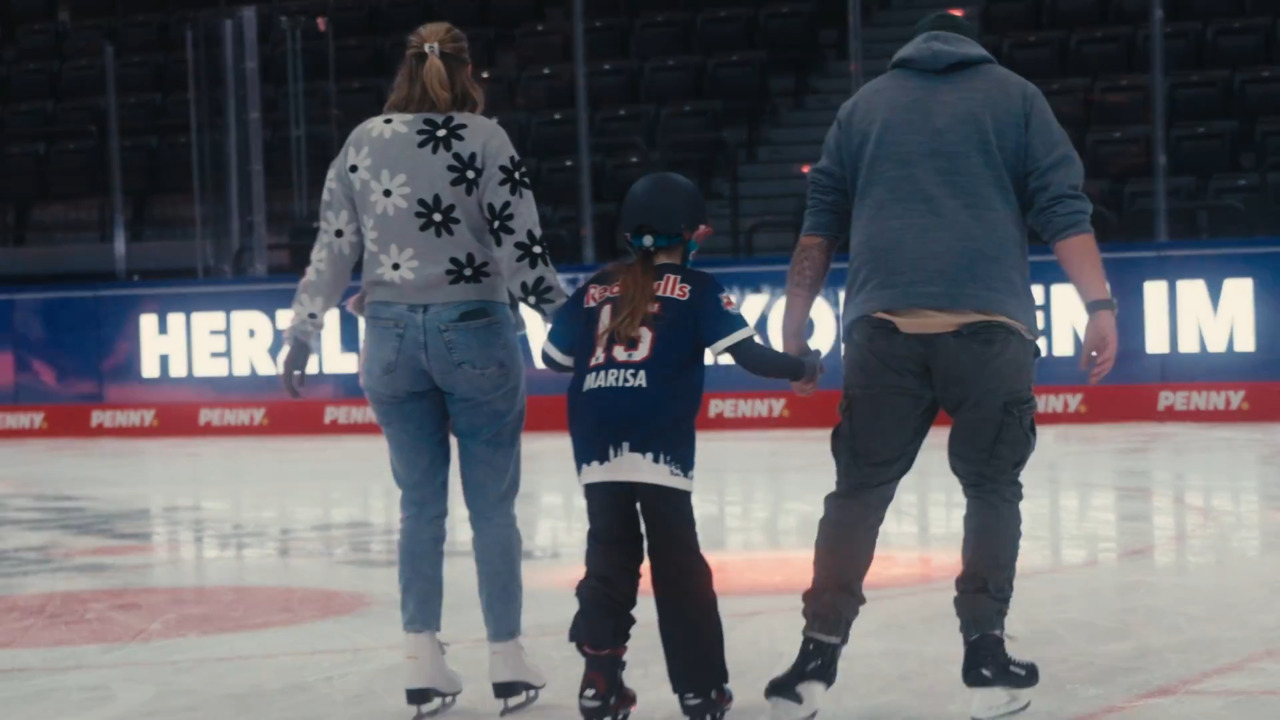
557,180
90,9
85,39
607,39
690,119
400,17
1068,14
357,101
552,134
75,169
1008,16
1105,51
1239,43
1201,95
546,88
462,13
1181,47
1104,194
27,117
1069,99
1243,189
513,13
134,7
1118,153
356,58
29,10
175,116
1035,55
1203,149
36,42
135,164
1257,93
673,79
82,78
662,35
139,34
517,126
1206,9
611,83
725,31
630,122
30,81
619,173
1130,12
1180,189
788,32
173,164
80,113
24,176
499,90
738,80
139,74
173,76
1266,143
542,44
138,112
606,8
1122,100
351,19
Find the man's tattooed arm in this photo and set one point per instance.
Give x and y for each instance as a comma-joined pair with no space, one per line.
810,264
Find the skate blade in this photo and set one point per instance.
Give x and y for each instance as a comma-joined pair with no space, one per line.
506,692
446,702
993,703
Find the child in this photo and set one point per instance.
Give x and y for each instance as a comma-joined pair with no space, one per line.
634,337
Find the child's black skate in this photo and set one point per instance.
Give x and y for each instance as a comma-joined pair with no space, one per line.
796,693
1001,685
711,705
603,695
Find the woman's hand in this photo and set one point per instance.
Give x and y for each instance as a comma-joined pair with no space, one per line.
294,374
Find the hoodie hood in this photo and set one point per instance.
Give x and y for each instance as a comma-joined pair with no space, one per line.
937,52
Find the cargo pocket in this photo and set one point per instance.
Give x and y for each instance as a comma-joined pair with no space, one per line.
1016,439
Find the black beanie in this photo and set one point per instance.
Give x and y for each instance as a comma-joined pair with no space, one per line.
946,22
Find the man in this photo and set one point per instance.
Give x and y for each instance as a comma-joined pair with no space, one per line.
934,172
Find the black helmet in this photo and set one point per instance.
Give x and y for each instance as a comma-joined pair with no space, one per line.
661,207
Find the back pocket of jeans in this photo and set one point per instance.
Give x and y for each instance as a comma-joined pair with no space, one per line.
380,354
479,346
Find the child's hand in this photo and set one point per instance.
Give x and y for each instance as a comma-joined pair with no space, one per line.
812,371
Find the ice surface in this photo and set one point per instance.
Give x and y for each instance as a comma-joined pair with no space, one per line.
1149,581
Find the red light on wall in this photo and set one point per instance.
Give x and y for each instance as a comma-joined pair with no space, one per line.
805,168
958,12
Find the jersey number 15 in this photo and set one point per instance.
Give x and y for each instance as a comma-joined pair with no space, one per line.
636,351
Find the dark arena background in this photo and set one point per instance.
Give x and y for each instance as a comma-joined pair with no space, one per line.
179,540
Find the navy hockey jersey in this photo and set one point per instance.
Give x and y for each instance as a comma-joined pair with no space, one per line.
632,406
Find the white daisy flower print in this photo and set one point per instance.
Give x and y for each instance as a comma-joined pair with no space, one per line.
397,264
310,308
358,165
338,230
330,183
385,126
370,234
319,259
388,193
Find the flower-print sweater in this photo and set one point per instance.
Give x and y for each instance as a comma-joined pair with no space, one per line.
442,210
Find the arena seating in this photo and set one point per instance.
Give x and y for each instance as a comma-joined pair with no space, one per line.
683,84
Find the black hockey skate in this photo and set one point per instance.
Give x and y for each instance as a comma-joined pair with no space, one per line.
603,695
710,705
429,703
1001,685
795,694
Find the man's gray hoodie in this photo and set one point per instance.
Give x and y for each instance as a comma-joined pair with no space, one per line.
934,171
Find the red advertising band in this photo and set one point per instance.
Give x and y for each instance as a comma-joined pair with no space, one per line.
1206,402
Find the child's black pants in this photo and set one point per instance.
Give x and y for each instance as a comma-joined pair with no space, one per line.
688,616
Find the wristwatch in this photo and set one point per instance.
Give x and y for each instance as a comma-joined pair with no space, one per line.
1098,306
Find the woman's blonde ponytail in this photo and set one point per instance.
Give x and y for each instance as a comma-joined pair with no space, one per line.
435,75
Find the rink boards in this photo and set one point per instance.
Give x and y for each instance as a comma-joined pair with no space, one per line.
1198,327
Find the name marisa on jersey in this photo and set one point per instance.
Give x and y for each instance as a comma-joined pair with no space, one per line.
623,378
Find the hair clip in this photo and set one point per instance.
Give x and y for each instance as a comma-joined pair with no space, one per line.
431,48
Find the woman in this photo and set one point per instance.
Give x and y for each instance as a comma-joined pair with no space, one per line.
440,204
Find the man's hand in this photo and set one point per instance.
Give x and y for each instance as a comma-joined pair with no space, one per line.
1100,341
813,370
294,375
